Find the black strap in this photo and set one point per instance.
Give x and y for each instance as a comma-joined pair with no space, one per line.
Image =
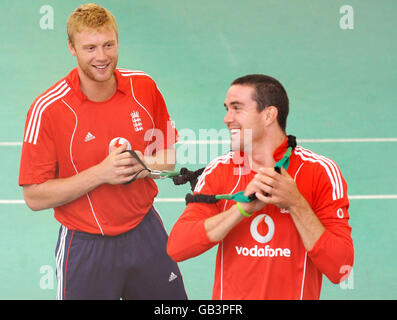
192,176
135,156
292,141
188,176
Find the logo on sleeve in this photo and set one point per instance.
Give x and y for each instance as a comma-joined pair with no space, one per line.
340,214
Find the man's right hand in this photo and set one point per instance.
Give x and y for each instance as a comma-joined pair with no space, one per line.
118,167
253,188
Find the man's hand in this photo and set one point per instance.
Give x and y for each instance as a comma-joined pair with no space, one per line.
277,188
120,167
253,188
271,187
280,190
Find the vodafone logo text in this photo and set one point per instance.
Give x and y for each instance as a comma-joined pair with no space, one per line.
263,251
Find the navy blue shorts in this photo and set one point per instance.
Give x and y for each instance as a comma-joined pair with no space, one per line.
133,265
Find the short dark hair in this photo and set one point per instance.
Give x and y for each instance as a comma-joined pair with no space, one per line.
268,92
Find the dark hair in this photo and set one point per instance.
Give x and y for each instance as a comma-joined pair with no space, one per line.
268,92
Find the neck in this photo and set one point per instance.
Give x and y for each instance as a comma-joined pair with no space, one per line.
95,90
263,150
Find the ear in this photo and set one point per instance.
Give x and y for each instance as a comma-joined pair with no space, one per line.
71,48
270,114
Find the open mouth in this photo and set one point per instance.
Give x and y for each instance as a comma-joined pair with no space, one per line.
234,132
101,67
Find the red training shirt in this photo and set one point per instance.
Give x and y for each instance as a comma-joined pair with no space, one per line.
65,133
263,257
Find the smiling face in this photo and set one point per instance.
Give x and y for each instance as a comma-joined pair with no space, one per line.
97,54
245,123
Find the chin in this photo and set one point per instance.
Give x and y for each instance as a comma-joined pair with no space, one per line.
100,77
96,76
236,146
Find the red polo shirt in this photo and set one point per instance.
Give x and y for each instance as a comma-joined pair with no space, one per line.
263,257
65,133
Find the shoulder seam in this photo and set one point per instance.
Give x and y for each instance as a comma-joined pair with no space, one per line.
211,166
129,73
43,102
330,167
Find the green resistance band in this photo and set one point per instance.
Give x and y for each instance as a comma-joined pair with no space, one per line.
191,176
240,197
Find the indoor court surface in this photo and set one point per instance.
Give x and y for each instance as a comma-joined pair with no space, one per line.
338,65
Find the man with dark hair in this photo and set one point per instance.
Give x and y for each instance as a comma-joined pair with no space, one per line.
294,227
268,92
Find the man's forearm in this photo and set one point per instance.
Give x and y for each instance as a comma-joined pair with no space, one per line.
217,227
307,223
162,160
57,192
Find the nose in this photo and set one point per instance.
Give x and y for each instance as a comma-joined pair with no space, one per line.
101,55
228,118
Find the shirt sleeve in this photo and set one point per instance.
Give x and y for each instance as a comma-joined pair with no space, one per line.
333,253
163,121
188,237
38,159
164,134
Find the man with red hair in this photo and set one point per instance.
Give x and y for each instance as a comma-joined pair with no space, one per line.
112,243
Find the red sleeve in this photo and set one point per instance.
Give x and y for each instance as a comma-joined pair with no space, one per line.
333,253
164,134
163,121
38,160
188,237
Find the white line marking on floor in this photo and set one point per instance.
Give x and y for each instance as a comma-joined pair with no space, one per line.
172,200
330,140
